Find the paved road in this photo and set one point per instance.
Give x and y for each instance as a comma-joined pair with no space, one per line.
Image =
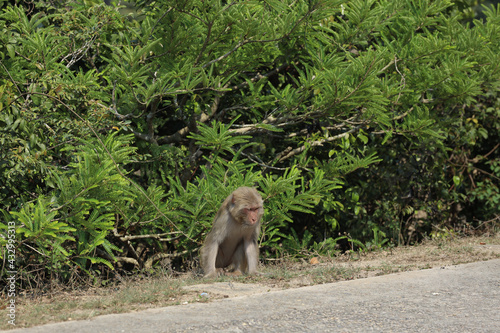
464,298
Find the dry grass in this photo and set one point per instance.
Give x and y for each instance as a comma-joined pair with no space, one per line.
139,294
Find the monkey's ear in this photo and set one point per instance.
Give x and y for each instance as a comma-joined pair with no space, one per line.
233,200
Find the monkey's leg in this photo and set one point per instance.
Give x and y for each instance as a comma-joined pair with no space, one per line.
251,255
209,256
240,262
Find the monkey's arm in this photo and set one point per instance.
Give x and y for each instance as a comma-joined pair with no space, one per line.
252,255
208,257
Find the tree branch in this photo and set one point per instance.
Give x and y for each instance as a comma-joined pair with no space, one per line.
149,263
154,236
298,150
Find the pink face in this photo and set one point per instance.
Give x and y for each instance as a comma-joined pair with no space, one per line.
252,214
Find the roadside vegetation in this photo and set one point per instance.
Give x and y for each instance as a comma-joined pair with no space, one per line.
166,287
366,125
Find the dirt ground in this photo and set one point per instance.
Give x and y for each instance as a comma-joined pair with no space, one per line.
139,293
317,270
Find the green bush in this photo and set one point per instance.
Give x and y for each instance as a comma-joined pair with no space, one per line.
362,123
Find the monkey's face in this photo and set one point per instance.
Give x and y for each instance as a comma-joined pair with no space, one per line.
252,215
246,206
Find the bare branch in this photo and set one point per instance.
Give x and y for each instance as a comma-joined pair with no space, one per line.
154,236
128,260
78,54
298,150
261,163
149,263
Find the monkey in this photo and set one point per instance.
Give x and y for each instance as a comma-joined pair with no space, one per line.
234,235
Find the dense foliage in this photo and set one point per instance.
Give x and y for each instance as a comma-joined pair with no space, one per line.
361,122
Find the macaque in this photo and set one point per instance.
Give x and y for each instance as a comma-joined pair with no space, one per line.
234,234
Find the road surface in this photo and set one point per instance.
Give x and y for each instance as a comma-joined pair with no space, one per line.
463,298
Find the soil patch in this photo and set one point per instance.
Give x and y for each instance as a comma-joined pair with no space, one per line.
151,292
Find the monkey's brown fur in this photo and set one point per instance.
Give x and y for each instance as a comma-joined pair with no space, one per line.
234,235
